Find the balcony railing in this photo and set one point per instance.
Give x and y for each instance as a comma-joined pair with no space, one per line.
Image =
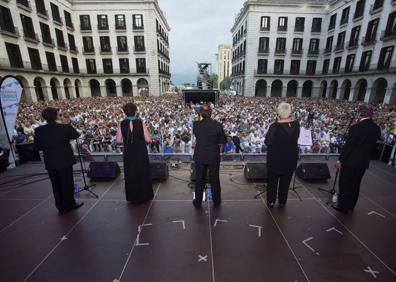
58,21
122,50
25,5
13,32
43,14
280,51
106,51
386,37
103,28
298,52
328,50
70,26
263,51
352,45
282,28
89,51
339,48
63,46
32,38
313,53
368,41
85,28
375,10
74,49
49,43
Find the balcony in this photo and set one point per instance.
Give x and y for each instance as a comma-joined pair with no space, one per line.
58,21
103,29
282,29
43,14
339,48
368,41
63,47
50,42
70,26
24,5
85,29
120,28
280,51
386,37
105,51
122,50
139,51
328,50
263,51
352,45
265,29
313,53
297,53
34,38
316,31
12,32
90,51
138,28
375,10
357,17
73,49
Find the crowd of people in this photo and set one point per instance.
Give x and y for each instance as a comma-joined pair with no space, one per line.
245,119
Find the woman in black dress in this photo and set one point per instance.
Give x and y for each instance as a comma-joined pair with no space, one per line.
133,134
282,142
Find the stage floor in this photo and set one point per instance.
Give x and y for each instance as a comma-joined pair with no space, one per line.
168,240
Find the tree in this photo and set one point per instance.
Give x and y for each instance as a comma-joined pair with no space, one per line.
215,79
226,83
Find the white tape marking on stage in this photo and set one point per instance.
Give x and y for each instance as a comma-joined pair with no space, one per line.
202,258
219,220
182,222
335,229
140,227
138,242
308,246
64,238
259,229
371,271
374,212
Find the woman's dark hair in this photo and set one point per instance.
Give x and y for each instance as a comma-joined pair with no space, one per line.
205,111
50,114
130,109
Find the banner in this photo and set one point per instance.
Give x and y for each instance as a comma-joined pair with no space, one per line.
10,96
305,138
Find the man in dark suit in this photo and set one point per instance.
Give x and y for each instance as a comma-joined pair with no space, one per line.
54,140
209,135
355,158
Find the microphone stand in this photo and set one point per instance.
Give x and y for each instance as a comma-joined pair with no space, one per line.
86,186
333,190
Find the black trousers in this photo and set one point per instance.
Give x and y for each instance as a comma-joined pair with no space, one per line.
200,181
281,180
349,185
62,187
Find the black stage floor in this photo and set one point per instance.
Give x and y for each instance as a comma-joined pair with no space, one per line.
168,240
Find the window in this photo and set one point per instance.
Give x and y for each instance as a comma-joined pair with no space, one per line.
105,44
64,63
385,58
278,67
51,61
137,21
55,13
120,22
297,45
68,19
88,44
371,32
336,65
329,44
40,7
345,16
314,46
280,45
350,60
295,67
316,25
76,69
265,23
72,42
333,20
6,22
35,61
340,41
300,22
59,38
122,44
311,67
139,43
365,61
124,65
282,24
391,25
262,66
141,65
91,66
107,66
85,22
354,40
378,4
264,44
45,33
102,22
326,65
359,11
28,28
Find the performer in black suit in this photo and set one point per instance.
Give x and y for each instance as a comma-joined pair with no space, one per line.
355,158
209,135
54,140
282,142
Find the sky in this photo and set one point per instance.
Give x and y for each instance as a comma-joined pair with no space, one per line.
197,28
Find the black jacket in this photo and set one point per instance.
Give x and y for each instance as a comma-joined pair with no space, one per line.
359,144
209,135
54,140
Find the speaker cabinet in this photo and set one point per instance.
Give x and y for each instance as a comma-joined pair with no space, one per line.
313,171
255,171
103,171
159,170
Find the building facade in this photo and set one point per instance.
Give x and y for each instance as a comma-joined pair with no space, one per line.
80,48
224,66
338,49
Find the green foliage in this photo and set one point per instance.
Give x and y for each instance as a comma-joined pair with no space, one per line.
226,83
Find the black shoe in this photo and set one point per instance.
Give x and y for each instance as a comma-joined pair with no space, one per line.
282,205
216,204
75,206
338,208
196,204
270,205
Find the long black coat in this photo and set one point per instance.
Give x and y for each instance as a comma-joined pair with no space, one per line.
54,140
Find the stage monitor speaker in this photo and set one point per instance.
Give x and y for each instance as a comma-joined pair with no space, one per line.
27,153
193,175
313,171
159,170
255,171
103,171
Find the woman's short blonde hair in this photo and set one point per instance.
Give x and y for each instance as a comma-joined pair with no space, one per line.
284,110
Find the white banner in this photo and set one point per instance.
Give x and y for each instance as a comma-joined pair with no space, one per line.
305,138
10,96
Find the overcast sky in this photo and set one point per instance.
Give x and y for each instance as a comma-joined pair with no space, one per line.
197,28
